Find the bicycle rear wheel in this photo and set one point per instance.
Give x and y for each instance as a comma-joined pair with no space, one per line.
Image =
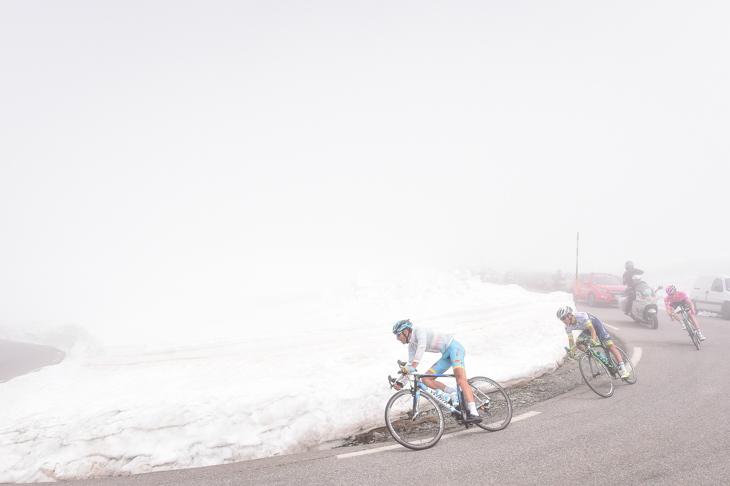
629,366
414,421
596,375
492,402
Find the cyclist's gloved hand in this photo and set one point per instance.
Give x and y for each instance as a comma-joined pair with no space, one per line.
593,342
408,369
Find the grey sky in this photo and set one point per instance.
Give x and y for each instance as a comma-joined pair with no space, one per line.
167,161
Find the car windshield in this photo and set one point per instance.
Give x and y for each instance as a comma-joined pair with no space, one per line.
606,280
727,284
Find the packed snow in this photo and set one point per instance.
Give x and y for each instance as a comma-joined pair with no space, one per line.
301,375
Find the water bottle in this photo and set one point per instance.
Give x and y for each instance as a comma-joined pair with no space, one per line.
602,356
455,402
442,396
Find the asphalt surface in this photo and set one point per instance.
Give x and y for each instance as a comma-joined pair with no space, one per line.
671,427
20,358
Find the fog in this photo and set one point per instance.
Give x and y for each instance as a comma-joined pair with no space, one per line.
173,163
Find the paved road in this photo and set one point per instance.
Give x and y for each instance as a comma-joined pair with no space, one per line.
671,428
20,358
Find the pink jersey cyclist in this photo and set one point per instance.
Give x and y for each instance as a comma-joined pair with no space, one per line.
675,300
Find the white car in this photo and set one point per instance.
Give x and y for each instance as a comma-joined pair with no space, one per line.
712,293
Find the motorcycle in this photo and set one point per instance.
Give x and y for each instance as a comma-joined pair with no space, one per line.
644,308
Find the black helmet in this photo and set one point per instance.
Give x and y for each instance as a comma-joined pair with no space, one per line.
629,265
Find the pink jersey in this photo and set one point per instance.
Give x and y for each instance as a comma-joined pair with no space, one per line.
678,296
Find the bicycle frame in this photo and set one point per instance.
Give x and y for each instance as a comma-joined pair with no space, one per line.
594,350
685,318
681,312
419,387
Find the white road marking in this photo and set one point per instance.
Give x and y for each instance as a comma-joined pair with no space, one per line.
368,451
612,327
636,357
523,416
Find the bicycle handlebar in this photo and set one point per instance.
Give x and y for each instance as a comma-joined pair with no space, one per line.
392,380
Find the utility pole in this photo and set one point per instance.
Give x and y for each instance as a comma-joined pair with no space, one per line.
577,245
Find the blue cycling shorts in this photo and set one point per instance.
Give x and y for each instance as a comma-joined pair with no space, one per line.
453,356
601,333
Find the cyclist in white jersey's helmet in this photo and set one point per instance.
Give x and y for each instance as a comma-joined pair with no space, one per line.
421,340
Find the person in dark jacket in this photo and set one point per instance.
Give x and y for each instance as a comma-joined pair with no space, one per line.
630,272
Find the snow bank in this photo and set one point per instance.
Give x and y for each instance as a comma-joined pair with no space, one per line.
293,378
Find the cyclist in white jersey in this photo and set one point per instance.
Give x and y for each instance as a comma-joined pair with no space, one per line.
421,340
591,329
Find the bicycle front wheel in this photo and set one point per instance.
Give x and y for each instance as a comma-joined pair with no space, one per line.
694,335
596,375
629,366
691,331
414,421
492,402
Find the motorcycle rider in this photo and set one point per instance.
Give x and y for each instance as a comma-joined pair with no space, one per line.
631,293
630,272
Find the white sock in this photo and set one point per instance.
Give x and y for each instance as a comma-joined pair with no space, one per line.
472,408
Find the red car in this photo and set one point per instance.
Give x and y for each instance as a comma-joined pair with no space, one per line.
598,287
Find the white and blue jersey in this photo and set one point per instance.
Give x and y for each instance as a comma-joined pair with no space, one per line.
422,340
583,322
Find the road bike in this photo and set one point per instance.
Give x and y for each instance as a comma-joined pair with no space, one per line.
416,417
681,314
599,367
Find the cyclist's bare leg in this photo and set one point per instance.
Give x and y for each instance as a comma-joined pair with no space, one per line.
460,375
615,352
432,383
694,321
